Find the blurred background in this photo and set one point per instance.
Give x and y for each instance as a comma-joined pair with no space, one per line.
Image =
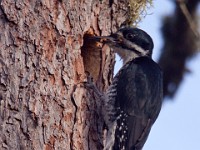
178,125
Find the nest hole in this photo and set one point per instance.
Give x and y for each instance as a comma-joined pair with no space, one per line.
92,56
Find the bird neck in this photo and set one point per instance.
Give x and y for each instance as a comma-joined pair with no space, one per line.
126,55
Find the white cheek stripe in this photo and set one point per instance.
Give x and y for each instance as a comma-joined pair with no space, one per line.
136,47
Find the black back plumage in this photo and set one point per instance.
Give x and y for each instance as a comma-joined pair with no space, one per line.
138,102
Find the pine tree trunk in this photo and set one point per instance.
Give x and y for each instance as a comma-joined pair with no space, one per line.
43,63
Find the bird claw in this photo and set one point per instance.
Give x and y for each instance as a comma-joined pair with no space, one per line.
91,85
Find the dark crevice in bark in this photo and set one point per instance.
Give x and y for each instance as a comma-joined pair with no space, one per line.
110,3
74,122
5,16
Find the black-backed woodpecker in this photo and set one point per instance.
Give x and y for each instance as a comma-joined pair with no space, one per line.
133,100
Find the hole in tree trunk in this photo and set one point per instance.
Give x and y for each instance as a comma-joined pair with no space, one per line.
92,55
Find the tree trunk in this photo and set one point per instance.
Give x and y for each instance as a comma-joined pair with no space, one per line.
43,63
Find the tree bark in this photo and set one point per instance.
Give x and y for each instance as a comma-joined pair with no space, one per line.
43,63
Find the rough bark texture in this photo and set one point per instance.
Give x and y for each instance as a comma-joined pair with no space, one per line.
43,101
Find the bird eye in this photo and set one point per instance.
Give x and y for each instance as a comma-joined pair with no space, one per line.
129,36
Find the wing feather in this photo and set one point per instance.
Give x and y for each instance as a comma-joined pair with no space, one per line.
139,96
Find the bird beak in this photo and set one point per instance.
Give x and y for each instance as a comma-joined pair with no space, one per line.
112,39
103,39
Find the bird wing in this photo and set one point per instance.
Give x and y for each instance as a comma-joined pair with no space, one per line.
139,97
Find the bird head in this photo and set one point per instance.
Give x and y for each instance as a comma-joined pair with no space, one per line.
129,43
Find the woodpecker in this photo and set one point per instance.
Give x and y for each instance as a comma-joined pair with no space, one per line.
133,100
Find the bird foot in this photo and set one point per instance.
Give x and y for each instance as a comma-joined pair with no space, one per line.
91,85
